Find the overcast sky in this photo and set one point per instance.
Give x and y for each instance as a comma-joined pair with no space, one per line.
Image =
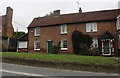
25,10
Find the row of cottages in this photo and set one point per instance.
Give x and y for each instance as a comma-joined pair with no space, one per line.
6,28
44,32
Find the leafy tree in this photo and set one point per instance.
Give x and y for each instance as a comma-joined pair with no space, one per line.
50,14
81,42
18,34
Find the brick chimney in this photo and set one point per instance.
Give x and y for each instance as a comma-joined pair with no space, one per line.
80,10
9,15
57,12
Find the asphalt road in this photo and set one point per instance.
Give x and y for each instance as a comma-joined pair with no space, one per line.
21,70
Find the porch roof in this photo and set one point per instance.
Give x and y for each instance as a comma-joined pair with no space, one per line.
107,35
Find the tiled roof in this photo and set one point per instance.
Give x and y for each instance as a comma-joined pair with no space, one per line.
75,18
23,37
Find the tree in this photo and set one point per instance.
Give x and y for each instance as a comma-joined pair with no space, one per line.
18,34
50,14
81,42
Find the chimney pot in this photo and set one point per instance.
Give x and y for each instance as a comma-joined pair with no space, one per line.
57,12
80,10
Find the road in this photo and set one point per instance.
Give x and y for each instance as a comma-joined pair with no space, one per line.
21,70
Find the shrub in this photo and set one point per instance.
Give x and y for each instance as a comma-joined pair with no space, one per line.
81,42
56,49
83,49
95,52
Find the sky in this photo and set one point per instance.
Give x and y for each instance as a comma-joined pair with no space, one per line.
24,11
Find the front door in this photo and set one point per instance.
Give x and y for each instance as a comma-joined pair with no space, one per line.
49,46
106,47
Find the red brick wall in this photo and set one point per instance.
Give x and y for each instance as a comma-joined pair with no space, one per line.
9,15
7,28
31,39
53,33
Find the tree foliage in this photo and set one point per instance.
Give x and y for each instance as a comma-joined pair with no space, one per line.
81,42
18,34
50,14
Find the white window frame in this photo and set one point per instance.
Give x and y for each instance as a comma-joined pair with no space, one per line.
118,22
35,32
35,45
22,44
95,42
91,27
62,48
63,29
0,28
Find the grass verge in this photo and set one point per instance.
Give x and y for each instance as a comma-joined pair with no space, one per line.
100,60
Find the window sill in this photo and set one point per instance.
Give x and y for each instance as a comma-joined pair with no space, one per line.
106,54
64,48
37,35
36,49
63,33
91,31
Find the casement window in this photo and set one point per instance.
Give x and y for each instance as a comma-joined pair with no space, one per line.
37,45
0,28
118,23
22,44
64,44
37,31
95,43
91,27
64,29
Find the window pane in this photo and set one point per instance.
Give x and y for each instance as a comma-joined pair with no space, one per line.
119,24
37,31
94,25
63,28
36,45
95,43
88,27
22,44
64,44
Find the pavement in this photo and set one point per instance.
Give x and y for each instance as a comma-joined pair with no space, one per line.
21,71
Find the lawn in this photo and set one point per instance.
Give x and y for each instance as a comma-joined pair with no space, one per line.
63,58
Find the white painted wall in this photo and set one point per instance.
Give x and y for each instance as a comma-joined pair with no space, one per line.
22,44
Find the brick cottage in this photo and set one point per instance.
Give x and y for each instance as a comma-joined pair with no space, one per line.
44,32
6,28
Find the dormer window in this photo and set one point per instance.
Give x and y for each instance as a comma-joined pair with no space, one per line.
37,31
64,29
91,27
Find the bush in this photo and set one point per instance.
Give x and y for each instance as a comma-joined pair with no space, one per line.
81,42
95,52
83,49
56,49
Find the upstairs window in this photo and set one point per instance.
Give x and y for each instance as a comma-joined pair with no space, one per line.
64,45
63,29
91,27
37,45
37,31
118,23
